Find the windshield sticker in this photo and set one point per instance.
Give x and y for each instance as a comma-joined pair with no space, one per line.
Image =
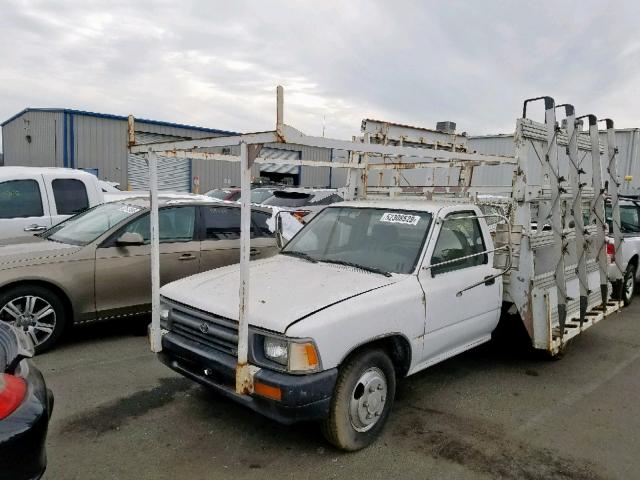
128,209
400,218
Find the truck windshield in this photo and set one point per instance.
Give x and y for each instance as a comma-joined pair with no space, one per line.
84,228
376,239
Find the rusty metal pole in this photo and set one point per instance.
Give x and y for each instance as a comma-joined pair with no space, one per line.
131,130
243,378
155,338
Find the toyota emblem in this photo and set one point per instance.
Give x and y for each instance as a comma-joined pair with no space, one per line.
204,328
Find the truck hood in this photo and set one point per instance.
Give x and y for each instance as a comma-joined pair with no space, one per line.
282,289
29,250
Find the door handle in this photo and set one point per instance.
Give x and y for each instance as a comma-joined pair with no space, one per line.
35,228
253,252
489,280
187,256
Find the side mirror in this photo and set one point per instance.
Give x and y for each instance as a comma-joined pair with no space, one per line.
129,239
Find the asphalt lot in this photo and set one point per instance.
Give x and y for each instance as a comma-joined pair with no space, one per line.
494,412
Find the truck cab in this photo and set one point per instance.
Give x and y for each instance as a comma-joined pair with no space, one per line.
33,199
629,253
366,293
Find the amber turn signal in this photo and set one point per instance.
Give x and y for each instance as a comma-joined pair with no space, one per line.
264,390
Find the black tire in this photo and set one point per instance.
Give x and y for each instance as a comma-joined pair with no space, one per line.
140,326
21,291
625,290
339,427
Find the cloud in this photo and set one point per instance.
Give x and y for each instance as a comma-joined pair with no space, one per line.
217,64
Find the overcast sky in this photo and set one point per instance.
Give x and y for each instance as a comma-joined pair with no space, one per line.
216,63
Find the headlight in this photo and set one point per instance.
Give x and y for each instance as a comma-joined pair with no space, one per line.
164,316
277,350
295,355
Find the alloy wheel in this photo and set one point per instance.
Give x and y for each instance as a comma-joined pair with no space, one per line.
32,314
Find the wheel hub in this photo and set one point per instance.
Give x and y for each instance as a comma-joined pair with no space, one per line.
368,400
32,314
629,285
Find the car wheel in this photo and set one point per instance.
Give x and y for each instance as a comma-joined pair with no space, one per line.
35,310
362,400
625,290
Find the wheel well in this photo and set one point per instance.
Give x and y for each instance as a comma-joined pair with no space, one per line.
396,346
634,261
49,286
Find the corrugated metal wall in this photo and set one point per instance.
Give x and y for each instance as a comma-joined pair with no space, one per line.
99,143
174,174
310,176
628,141
494,145
339,175
46,145
215,174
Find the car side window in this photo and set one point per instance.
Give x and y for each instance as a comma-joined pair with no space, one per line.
20,199
259,227
459,237
629,219
176,224
70,196
222,223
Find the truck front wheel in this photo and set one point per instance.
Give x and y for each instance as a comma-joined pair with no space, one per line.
362,400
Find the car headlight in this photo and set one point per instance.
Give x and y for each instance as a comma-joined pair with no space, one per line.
277,350
165,311
296,355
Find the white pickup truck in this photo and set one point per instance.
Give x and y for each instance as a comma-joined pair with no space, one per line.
366,293
630,252
33,199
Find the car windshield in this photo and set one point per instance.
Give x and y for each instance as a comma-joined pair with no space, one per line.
87,226
259,195
376,239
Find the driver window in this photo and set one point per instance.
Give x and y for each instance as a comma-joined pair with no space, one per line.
176,225
459,237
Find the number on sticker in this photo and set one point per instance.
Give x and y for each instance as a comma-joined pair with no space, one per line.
129,209
400,218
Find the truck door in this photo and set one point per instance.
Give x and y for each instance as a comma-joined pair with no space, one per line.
455,322
24,209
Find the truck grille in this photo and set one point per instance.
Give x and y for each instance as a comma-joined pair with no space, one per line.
204,328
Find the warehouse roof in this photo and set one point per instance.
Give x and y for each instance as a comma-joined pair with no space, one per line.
117,117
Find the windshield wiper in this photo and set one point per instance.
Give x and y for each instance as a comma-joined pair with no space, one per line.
355,265
294,253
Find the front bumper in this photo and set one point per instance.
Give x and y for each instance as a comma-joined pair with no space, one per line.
24,432
304,397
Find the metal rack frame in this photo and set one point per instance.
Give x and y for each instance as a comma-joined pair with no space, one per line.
542,263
